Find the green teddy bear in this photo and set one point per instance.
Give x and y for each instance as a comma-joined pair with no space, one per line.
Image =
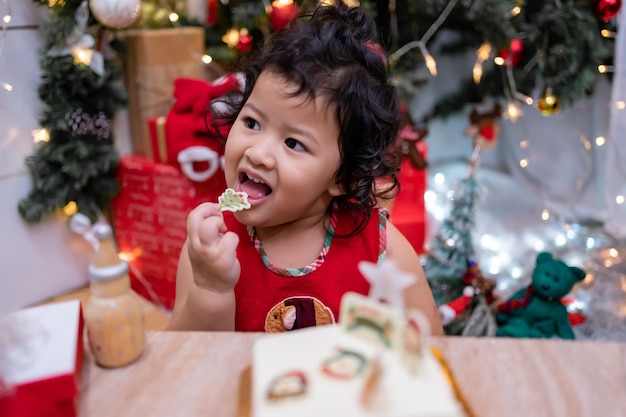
537,311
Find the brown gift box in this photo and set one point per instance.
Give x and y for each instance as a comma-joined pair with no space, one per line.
155,58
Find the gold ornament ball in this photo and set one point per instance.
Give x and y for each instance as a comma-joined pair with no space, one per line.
548,104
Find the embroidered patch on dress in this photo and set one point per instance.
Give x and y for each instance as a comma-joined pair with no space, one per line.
297,313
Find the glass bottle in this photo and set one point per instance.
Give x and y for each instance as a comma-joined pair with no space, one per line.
113,315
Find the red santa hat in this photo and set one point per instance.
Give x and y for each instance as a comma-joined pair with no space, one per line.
450,311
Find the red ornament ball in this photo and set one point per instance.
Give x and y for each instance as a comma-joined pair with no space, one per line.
245,43
281,12
606,10
513,55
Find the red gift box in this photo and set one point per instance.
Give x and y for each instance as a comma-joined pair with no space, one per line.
408,212
149,217
45,361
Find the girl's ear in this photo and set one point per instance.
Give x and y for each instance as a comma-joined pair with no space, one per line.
335,190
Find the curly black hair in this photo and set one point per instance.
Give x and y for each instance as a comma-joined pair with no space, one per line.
329,54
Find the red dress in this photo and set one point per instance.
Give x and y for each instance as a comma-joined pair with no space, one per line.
274,299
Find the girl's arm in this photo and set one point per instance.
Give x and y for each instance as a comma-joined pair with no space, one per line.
196,308
208,270
418,295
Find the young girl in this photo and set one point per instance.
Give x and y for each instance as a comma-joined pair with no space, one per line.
311,135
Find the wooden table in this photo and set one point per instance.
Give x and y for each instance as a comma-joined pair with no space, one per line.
198,374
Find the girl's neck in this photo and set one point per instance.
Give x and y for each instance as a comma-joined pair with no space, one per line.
295,244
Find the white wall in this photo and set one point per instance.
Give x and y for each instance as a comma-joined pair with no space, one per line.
36,261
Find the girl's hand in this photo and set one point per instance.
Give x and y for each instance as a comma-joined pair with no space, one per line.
212,249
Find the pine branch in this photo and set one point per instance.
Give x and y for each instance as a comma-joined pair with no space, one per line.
79,160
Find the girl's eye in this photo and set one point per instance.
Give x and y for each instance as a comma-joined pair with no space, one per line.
294,144
251,124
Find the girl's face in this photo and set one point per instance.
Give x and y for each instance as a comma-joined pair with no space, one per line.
283,151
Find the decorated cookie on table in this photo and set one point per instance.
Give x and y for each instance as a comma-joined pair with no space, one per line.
375,362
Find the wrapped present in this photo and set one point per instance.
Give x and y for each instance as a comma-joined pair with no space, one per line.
408,210
149,217
42,362
185,138
155,59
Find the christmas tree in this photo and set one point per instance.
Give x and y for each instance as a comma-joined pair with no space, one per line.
452,248
74,161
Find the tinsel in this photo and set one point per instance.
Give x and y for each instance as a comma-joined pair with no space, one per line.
601,298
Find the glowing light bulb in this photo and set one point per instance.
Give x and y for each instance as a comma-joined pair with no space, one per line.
523,163
231,38
207,59
40,135
620,105
174,17
560,240
70,208
431,65
82,56
7,18
477,72
498,60
620,199
6,86
513,112
439,178
545,214
516,10
600,140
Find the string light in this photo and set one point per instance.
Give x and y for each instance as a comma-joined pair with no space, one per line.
620,105
207,59
174,17
40,135
482,54
603,69
430,63
6,19
70,208
513,112
620,199
600,141
82,56
421,44
516,10
231,37
523,163
607,33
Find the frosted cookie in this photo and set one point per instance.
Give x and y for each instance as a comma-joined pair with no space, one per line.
231,200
